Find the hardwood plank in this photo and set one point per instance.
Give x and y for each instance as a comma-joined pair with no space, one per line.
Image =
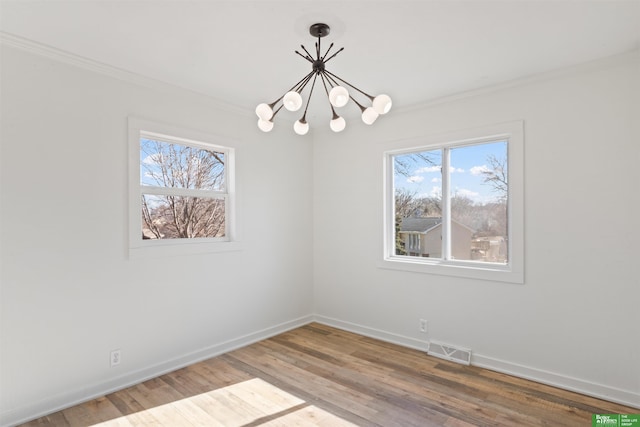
317,375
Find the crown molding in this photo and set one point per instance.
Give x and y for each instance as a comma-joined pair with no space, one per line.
59,55
621,59
18,42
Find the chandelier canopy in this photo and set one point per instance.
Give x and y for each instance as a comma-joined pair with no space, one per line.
334,87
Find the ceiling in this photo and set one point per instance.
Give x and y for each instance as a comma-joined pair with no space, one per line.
242,52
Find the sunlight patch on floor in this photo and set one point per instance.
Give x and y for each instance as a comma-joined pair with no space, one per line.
253,402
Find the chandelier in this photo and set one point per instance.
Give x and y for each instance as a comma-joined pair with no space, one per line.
334,87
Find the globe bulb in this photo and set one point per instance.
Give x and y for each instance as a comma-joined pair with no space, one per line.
300,127
264,112
369,115
292,101
338,124
339,96
265,125
382,104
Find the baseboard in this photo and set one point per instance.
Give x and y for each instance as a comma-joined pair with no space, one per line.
373,333
612,394
74,397
588,388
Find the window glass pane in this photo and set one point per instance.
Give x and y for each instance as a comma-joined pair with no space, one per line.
418,195
478,190
179,217
179,166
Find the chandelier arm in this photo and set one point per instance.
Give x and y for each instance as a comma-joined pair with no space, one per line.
349,84
339,50
301,80
362,108
308,58
276,112
335,116
331,80
294,87
327,52
305,49
335,83
304,83
304,116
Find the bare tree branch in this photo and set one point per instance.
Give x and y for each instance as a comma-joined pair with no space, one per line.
178,166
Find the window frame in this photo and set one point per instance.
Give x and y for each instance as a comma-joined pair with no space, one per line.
138,247
513,270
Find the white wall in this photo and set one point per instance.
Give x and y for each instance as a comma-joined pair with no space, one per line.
70,294
575,320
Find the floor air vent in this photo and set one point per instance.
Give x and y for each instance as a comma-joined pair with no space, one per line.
450,352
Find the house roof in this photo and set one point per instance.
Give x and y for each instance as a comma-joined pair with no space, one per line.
419,225
425,224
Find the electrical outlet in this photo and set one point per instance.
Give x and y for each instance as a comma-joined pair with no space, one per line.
424,326
115,358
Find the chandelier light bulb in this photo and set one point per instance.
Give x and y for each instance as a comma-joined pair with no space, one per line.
264,112
292,101
338,124
339,96
369,115
300,127
265,125
382,104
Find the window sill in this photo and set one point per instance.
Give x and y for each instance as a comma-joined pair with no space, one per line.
497,273
161,249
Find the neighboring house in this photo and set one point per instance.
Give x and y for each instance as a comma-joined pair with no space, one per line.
422,236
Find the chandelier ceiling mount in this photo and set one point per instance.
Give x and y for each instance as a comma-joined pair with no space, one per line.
334,86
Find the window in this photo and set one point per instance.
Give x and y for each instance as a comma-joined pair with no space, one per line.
182,190
454,205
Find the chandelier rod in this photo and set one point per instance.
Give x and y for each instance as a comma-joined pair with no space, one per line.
308,76
335,83
327,52
308,58
307,52
276,112
347,83
322,75
304,115
327,60
332,80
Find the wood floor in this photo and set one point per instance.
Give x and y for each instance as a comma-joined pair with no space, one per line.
320,376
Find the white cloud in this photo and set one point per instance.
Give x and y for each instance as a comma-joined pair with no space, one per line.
429,169
454,170
415,179
436,180
479,170
153,159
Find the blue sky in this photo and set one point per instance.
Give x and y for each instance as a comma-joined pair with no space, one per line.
151,157
466,164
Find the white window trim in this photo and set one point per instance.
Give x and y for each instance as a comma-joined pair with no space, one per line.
513,271
139,248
